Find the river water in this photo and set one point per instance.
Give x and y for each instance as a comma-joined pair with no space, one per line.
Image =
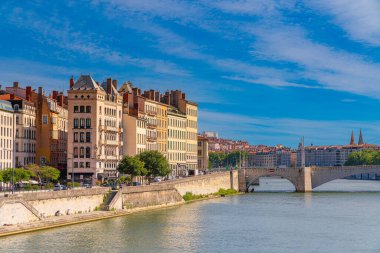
341,216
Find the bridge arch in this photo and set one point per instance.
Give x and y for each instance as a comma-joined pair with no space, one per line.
323,175
252,180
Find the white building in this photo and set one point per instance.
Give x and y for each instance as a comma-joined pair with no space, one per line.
6,135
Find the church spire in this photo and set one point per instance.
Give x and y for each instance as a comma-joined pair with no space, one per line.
361,142
352,142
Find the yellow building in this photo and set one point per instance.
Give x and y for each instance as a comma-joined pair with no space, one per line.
203,157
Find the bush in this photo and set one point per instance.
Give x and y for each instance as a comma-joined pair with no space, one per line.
76,184
190,196
49,186
225,192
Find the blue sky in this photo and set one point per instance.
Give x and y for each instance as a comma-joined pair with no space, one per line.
261,70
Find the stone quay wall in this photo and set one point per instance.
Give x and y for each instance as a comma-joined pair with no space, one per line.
33,206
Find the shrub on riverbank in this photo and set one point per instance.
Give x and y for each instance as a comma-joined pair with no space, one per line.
190,196
225,192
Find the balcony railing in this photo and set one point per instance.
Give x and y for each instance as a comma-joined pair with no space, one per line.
151,138
151,125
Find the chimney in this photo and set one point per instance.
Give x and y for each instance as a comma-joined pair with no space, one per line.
71,82
60,99
55,94
15,84
29,93
108,87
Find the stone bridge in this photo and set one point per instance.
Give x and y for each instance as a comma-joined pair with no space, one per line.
304,179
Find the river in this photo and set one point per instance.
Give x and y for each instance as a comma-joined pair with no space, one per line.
341,216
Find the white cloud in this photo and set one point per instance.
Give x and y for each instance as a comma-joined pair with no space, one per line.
331,68
60,33
360,19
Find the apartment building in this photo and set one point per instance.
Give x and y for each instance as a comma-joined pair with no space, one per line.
25,130
178,100
95,130
203,157
51,121
334,155
177,141
7,130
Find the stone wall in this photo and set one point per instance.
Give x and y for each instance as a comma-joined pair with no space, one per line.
15,213
152,195
207,184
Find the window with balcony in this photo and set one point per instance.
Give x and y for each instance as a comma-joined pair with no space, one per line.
75,152
88,152
88,123
81,123
76,123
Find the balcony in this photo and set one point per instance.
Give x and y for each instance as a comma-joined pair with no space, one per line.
151,138
109,128
151,125
151,113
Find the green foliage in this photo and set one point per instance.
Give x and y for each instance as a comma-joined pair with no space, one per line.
155,163
364,157
190,196
125,179
132,165
19,175
221,159
225,192
70,184
49,173
43,173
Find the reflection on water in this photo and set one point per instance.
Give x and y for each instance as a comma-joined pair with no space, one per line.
322,221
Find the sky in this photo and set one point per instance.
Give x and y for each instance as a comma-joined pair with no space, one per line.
264,71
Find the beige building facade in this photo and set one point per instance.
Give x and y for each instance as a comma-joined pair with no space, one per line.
7,125
95,140
203,157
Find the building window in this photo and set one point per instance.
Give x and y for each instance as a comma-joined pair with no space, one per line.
75,137
82,108
75,123
88,137
81,152
75,164
81,137
81,165
88,123
76,109
81,123
75,152
87,164
88,109
88,152
44,119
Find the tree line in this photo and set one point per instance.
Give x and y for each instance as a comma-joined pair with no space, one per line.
222,159
364,157
42,174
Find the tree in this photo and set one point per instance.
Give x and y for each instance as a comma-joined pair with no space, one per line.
132,165
49,173
43,173
364,157
155,163
19,175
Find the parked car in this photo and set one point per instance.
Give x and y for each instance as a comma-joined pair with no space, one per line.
136,183
87,185
157,179
59,187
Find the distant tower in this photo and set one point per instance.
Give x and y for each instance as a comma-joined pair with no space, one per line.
301,146
361,142
352,142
